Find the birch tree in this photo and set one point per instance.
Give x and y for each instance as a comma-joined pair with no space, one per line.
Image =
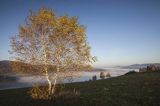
46,40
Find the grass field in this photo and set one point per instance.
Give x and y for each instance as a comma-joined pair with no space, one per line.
137,89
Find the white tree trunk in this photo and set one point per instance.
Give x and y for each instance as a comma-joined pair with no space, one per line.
55,81
49,81
57,68
51,88
46,67
54,84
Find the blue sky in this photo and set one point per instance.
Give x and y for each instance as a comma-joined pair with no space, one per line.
120,32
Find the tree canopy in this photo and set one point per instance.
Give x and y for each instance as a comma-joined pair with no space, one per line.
46,40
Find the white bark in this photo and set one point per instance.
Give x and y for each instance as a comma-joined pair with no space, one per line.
46,66
54,84
49,81
57,68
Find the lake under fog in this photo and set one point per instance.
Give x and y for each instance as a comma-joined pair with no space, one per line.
27,81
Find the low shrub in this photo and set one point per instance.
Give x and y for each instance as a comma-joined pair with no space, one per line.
102,75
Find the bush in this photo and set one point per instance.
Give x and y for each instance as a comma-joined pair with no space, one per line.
38,92
102,75
94,77
41,93
108,75
153,68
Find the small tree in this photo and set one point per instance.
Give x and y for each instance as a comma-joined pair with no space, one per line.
46,41
102,75
94,77
108,75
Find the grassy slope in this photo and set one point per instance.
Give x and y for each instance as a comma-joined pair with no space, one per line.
141,89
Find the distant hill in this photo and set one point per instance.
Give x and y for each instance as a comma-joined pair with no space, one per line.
5,67
137,66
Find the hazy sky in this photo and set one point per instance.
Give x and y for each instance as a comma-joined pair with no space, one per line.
120,32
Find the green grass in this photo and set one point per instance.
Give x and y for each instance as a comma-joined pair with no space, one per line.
138,89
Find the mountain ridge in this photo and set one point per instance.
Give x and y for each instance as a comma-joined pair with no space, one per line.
138,66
